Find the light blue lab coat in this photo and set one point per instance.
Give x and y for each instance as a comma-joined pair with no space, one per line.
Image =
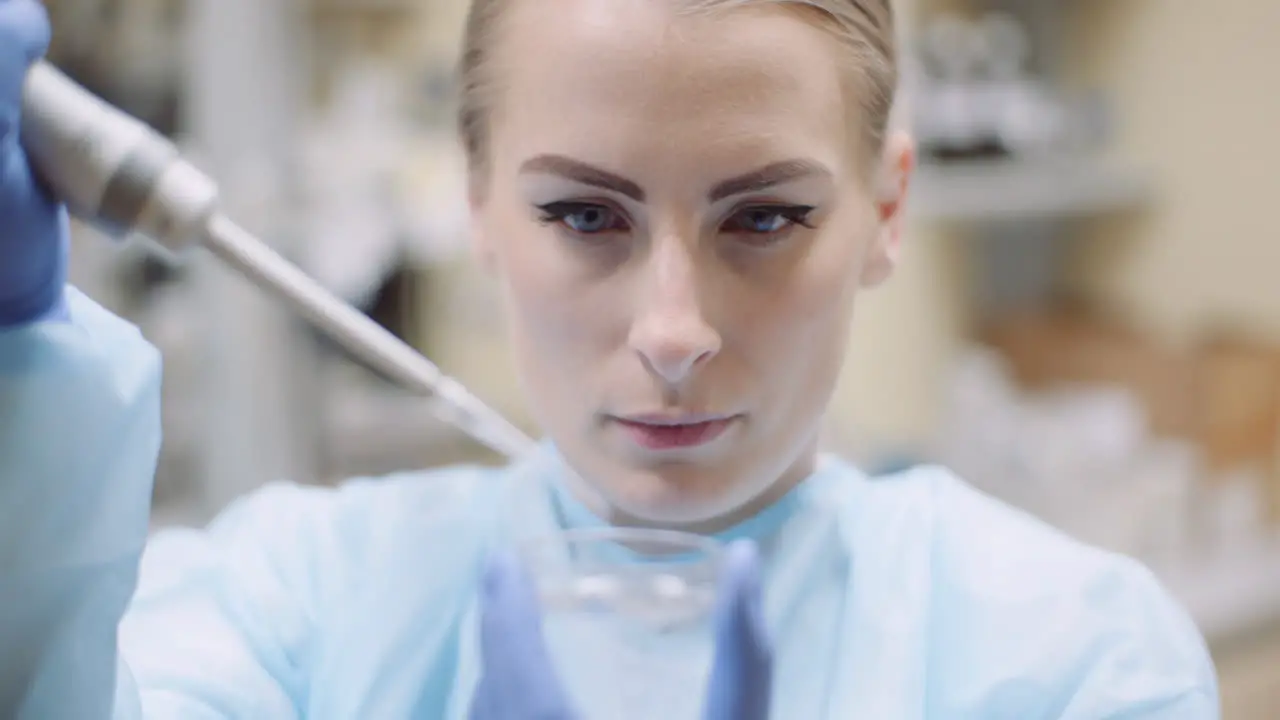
894,599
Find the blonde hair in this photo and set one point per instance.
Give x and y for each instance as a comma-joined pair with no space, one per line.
864,27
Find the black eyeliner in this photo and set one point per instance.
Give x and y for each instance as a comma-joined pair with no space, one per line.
798,214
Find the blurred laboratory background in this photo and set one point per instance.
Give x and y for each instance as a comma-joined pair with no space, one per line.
1086,322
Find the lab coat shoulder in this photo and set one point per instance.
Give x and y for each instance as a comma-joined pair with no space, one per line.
79,418
277,593
1028,622
79,437
315,540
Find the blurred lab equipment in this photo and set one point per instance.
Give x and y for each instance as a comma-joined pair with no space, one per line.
977,99
130,51
1161,453
114,171
350,152
627,618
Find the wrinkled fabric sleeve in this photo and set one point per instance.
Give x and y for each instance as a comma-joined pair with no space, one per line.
79,439
1200,704
222,616
1153,664
1034,624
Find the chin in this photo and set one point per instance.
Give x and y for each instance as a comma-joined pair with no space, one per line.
656,498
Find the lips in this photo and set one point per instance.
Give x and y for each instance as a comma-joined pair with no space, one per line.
659,433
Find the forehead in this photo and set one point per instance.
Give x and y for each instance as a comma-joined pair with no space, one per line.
639,85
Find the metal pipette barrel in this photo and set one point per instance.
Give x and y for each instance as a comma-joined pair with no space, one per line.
362,336
123,177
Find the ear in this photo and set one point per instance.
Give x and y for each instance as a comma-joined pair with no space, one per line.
893,177
481,244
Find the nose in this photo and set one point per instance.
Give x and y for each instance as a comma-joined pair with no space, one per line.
670,332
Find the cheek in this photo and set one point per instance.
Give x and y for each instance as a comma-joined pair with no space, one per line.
557,317
813,317
800,336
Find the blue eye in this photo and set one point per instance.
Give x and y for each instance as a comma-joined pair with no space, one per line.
768,219
763,221
583,218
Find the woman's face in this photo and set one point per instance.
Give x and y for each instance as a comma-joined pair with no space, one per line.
681,216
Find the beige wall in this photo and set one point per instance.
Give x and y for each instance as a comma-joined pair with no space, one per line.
1197,87
1249,679
905,336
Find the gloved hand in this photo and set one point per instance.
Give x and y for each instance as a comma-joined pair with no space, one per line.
520,683
33,225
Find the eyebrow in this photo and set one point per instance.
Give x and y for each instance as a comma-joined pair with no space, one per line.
754,181
767,177
582,173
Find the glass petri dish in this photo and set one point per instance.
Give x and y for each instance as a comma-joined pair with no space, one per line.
627,617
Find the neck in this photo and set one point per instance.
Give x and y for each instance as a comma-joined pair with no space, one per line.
795,473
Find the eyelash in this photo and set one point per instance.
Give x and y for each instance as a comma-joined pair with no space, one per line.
559,212
794,215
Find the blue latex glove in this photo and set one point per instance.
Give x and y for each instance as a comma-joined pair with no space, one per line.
520,683
33,225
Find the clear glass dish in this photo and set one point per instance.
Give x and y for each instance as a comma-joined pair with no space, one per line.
627,618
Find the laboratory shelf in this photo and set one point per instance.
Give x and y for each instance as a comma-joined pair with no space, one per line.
1026,189
363,6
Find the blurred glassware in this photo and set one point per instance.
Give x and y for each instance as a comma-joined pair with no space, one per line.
977,97
949,115
1024,114
628,618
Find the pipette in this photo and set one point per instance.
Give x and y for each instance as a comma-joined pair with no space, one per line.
124,178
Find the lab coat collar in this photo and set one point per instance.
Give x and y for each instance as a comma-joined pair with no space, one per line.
572,513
